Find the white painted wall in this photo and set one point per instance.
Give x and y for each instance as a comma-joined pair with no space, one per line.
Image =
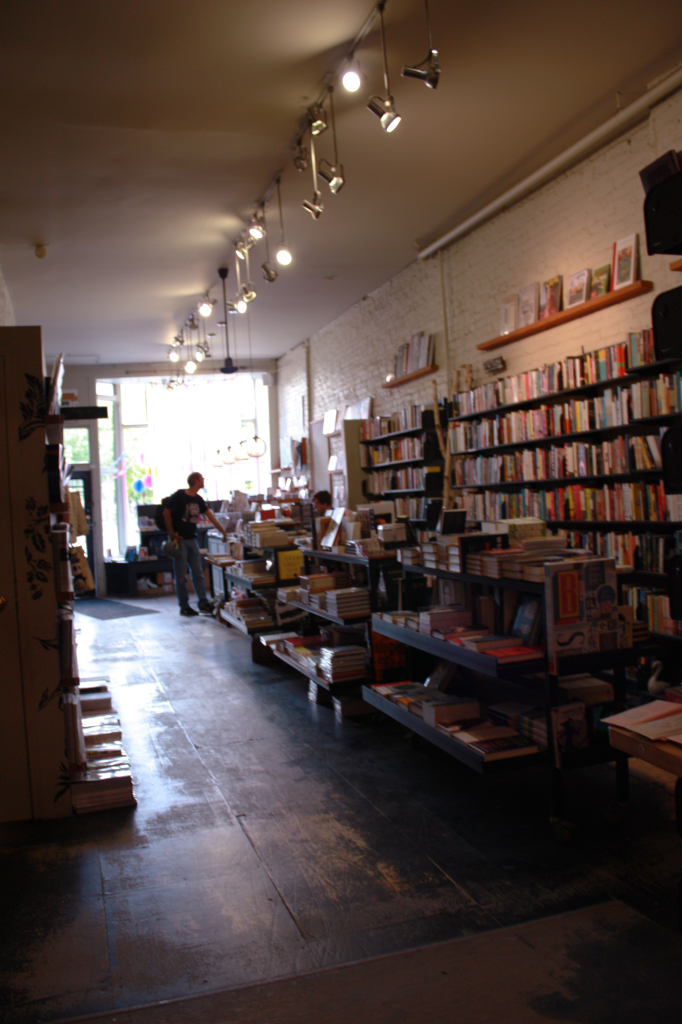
569,224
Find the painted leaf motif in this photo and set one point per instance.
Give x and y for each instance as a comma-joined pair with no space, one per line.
33,408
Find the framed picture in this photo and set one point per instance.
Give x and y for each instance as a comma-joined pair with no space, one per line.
624,271
578,288
508,311
528,305
601,281
550,297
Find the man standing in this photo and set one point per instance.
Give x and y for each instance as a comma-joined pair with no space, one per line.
181,516
322,503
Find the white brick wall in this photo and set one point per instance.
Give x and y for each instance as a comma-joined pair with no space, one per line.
570,223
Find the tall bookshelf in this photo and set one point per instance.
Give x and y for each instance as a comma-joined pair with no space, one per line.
37,751
403,465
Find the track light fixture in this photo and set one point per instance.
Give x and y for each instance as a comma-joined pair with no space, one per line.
205,306
240,306
318,120
283,254
313,206
199,354
351,77
256,227
269,272
428,71
240,249
332,173
384,107
174,355
190,366
301,157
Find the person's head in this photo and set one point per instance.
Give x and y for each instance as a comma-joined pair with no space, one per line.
195,481
322,502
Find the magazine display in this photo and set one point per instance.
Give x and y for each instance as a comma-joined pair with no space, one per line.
582,608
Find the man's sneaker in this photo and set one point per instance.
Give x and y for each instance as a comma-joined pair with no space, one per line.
188,611
206,606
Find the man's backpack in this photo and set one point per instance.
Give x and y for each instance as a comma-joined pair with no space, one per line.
158,515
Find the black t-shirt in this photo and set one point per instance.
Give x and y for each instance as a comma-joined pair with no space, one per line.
185,510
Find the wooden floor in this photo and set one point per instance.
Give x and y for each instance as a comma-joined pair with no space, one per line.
271,841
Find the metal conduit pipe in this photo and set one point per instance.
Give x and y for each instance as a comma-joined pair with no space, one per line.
615,126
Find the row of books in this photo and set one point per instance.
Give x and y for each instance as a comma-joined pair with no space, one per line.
652,608
407,478
621,502
573,372
616,407
640,551
622,455
415,354
404,419
396,451
412,508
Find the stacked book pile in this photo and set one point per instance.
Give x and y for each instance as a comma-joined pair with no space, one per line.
493,742
348,602
318,601
253,614
304,650
366,547
443,618
286,594
406,620
338,664
104,779
409,556
266,534
586,688
254,572
432,555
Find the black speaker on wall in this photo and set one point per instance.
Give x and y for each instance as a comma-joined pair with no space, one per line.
663,217
666,317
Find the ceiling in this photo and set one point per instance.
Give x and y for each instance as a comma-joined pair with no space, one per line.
139,134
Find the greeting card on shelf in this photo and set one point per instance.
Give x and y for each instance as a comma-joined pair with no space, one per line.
508,313
550,297
578,288
624,270
528,305
601,281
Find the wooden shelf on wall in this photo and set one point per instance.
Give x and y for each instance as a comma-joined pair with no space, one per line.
406,378
676,265
631,291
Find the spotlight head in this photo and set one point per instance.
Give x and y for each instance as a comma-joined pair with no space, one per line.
351,77
205,307
385,110
283,255
318,120
333,175
240,249
301,158
192,322
199,356
428,75
174,355
313,206
248,294
256,231
190,366
240,306
269,272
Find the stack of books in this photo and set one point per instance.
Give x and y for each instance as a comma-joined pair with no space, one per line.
305,650
338,664
348,602
494,742
255,572
431,555
265,535
251,612
443,618
318,601
365,548
584,687
106,783
409,556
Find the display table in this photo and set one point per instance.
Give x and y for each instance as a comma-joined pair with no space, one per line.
122,576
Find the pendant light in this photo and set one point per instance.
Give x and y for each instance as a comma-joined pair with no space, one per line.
240,452
228,457
332,173
428,71
384,107
283,254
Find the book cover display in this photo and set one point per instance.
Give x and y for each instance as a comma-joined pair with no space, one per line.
578,288
550,297
527,311
581,608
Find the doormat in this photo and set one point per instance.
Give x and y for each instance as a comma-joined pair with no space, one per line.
99,608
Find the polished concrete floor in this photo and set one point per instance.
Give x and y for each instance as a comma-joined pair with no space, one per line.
271,840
